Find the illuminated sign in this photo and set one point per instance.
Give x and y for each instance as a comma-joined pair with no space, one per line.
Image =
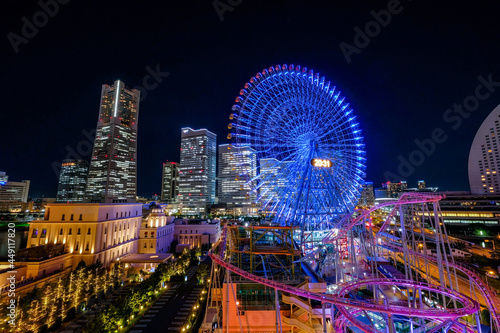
321,163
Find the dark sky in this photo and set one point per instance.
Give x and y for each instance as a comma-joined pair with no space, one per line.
400,82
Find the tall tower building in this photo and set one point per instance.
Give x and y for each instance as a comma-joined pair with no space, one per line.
235,165
273,179
113,167
367,197
170,182
72,181
484,158
197,170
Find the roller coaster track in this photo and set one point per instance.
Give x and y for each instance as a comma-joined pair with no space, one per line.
442,317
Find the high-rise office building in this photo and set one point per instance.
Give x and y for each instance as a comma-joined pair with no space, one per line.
72,181
421,185
197,170
113,168
273,180
394,190
13,195
367,197
234,168
13,191
170,182
484,158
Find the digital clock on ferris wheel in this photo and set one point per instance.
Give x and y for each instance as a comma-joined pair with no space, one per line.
321,163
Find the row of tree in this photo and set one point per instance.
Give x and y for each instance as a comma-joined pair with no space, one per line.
129,306
48,306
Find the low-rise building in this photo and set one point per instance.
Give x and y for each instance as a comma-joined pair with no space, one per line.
460,208
157,232
197,233
90,231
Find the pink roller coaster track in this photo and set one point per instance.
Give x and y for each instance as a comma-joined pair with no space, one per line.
488,294
442,316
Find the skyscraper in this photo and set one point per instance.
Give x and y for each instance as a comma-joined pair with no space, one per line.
421,185
484,158
170,182
197,170
367,197
235,165
72,181
273,179
113,167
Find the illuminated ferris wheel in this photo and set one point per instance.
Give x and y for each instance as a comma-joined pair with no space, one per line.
308,145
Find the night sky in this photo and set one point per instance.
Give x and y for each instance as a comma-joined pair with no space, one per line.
400,82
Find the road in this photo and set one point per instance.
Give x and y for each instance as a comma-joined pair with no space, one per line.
170,312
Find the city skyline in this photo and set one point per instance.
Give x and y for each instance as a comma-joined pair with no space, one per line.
383,79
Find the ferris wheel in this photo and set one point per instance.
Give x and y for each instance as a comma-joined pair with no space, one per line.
307,144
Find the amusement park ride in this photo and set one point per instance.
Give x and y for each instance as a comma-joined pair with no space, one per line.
319,264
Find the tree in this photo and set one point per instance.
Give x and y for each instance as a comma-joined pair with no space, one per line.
202,273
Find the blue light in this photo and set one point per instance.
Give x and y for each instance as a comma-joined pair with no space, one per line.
3,183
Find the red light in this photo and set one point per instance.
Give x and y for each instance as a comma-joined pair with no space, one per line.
189,193
201,193
105,155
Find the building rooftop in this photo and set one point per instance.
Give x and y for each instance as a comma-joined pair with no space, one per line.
146,258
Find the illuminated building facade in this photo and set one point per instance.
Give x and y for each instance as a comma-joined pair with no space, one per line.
484,157
197,233
72,181
470,209
156,233
421,185
90,231
197,170
367,198
13,191
13,195
113,168
170,182
234,168
394,190
274,178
